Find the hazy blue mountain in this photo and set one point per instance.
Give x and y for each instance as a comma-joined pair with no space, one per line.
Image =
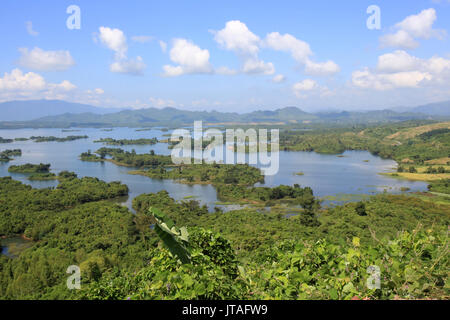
438,109
32,109
435,109
175,117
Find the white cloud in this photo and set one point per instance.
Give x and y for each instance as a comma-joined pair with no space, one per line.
116,40
311,88
128,66
321,68
163,46
255,66
19,81
301,87
38,59
99,91
301,52
29,26
305,85
299,49
19,85
419,26
142,39
65,85
386,81
401,70
278,78
398,60
189,57
237,37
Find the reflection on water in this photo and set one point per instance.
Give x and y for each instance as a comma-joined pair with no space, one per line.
327,175
11,247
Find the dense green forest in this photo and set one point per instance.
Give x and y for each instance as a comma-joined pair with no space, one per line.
412,140
242,254
284,245
126,158
217,174
123,142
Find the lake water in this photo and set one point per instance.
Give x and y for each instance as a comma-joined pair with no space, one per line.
328,175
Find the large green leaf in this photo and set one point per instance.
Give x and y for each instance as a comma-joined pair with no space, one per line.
175,240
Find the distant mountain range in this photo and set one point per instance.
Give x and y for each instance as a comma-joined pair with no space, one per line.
434,109
32,109
79,115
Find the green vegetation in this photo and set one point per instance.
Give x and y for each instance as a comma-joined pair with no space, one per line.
6,155
401,142
217,174
42,176
3,140
30,168
243,254
441,186
123,142
126,158
52,138
272,257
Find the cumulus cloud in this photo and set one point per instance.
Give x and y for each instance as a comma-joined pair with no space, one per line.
321,68
310,87
402,70
419,26
65,85
116,40
128,66
236,37
17,84
301,52
385,81
19,81
305,85
255,66
278,78
41,60
189,59
29,26
299,49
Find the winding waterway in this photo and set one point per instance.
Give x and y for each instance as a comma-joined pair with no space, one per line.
330,176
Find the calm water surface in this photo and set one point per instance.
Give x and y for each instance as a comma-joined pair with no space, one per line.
327,175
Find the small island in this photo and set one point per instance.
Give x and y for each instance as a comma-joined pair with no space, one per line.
6,155
52,138
2,140
123,142
30,168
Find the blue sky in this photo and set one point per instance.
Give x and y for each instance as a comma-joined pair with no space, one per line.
227,55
